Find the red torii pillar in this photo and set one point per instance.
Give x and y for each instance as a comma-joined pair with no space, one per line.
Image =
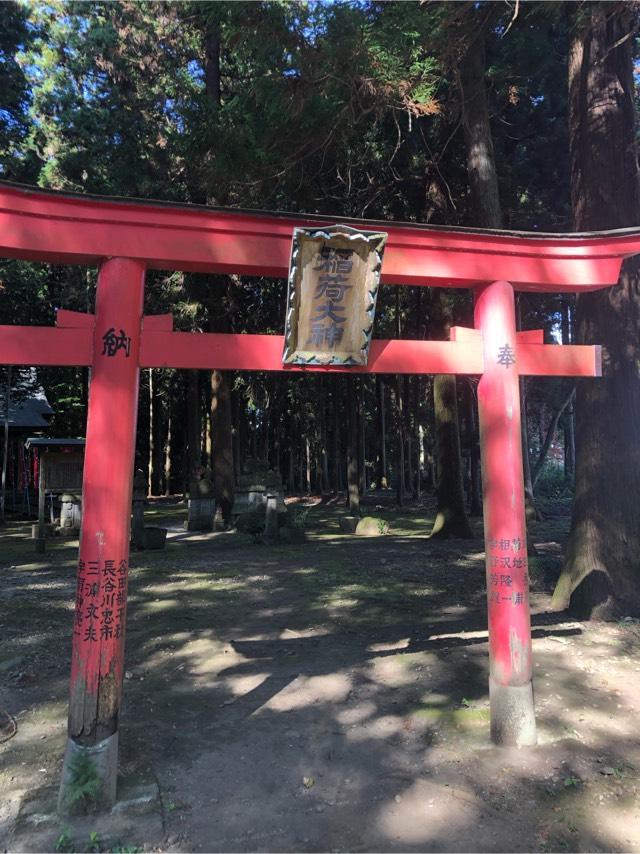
126,238
505,531
101,592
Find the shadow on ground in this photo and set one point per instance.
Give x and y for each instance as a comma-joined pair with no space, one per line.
327,696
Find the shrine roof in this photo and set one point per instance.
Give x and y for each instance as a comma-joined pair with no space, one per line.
74,228
44,442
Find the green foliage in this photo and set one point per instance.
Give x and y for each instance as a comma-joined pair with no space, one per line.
253,523
64,842
552,482
94,843
83,786
299,518
347,109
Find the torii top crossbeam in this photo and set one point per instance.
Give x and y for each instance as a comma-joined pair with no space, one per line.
124,238
64,228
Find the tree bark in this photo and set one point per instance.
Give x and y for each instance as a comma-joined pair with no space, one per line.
5,454
601,574
569,416
150,471
451,519
531,510
353,498
382,472
475,503
193,425
481,167
324,456
451,516
400,486
337,467
167,459
362,473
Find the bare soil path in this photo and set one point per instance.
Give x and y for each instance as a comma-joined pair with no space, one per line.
329,696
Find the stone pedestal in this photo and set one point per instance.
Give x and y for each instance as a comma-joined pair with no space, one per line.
201,506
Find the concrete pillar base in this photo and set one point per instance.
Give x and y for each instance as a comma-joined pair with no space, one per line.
89,777
513,719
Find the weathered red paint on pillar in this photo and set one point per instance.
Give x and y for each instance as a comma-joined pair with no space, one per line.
512,714
99,624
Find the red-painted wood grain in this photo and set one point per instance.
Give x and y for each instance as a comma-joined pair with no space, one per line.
63,229
505,531
98,639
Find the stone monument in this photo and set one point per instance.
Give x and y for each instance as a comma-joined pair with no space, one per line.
254,484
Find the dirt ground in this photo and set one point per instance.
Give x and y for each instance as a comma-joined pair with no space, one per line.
329,696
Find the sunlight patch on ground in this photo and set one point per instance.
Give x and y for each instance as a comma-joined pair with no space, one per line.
307,690
427,811
357,714
386,672
389,647
378,729
241,685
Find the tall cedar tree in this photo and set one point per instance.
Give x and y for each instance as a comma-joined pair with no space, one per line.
601,571
451,518
221,417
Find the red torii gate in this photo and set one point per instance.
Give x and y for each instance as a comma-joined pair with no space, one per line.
125,238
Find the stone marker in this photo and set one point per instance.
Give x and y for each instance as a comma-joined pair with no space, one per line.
201,504
255,482
271,518
70,512
137,524
371,526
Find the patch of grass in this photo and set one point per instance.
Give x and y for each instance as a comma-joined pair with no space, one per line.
460,718
94,843
64,842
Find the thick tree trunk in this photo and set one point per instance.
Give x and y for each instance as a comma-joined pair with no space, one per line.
601,574
481,167
221,445
475,502
451,519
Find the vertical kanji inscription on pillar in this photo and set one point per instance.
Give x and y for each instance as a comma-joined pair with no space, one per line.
510,690
101,593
